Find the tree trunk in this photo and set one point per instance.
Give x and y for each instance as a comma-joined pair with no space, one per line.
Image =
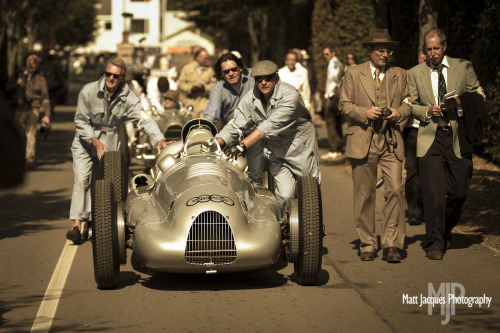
427,20
381,13
254,40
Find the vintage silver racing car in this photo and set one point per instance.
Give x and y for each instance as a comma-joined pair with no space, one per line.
170,121
198,212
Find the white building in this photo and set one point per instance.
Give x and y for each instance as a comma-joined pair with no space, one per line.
149,24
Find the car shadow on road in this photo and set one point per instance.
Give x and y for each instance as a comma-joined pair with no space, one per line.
261,279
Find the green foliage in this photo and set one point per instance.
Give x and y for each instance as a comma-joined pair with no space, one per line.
404,29
52,22
343,25
230,21
485,57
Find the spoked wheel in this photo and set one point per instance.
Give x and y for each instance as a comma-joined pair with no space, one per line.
120,228
114,167
305,220
105,244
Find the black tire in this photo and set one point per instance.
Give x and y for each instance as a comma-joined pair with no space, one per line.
105,236
308,265
123,137
113,167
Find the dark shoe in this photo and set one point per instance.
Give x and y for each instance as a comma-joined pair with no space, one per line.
379,183
367,256
447,240
435,255
74,235
391,254
414,220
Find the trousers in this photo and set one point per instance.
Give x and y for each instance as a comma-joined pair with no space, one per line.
445,180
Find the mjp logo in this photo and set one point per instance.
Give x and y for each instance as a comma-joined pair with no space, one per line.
448,295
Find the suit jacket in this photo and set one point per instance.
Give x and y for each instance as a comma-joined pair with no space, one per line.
461,77
358,95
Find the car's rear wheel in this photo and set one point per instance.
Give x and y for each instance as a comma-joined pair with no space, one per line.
105,236
114,167
307,265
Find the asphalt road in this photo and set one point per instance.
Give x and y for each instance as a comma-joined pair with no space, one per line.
352,295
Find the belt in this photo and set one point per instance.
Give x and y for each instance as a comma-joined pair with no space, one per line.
444,128
106,128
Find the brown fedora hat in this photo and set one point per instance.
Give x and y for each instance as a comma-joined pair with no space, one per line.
379,36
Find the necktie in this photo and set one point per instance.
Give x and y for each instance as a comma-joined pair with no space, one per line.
377,78
442,89
441,83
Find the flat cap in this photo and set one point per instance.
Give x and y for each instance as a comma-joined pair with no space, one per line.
264,67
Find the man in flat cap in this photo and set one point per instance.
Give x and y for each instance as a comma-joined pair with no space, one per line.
374,138
275,114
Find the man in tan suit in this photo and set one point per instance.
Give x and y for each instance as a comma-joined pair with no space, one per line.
195,82
374,138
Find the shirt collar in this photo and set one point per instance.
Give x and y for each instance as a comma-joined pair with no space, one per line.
382,70
444,62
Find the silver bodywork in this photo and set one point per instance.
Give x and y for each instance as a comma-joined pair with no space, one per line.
198,212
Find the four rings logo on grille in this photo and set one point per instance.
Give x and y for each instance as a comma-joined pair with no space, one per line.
206,198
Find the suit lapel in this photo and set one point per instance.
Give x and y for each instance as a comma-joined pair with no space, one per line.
452,75
425,78
391,85
366,79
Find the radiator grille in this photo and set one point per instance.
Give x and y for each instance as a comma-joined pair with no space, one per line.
173,133
210,241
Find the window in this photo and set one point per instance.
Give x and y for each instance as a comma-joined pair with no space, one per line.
108,25
139,26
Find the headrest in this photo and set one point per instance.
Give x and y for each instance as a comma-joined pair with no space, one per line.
197,126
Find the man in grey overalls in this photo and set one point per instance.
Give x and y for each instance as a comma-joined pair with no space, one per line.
275,113
102,106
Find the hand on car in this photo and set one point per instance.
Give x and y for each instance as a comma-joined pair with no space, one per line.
162,144
236,151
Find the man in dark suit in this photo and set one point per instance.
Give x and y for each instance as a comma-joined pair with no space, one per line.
444,174
374,138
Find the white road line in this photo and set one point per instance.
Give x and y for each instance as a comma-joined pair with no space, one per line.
47,310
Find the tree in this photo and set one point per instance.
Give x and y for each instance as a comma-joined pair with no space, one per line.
339,24
250,26
52,22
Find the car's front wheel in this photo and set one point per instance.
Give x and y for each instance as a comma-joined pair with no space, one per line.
306,231
105,244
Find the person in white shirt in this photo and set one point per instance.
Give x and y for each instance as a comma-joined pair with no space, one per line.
334,75
156,88
296,76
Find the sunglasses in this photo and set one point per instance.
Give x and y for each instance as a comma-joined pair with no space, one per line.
234,69
116,76
267,78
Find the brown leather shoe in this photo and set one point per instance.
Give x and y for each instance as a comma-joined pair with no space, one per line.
391,254
367,256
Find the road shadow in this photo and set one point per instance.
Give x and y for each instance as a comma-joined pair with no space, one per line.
480,208
17,219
